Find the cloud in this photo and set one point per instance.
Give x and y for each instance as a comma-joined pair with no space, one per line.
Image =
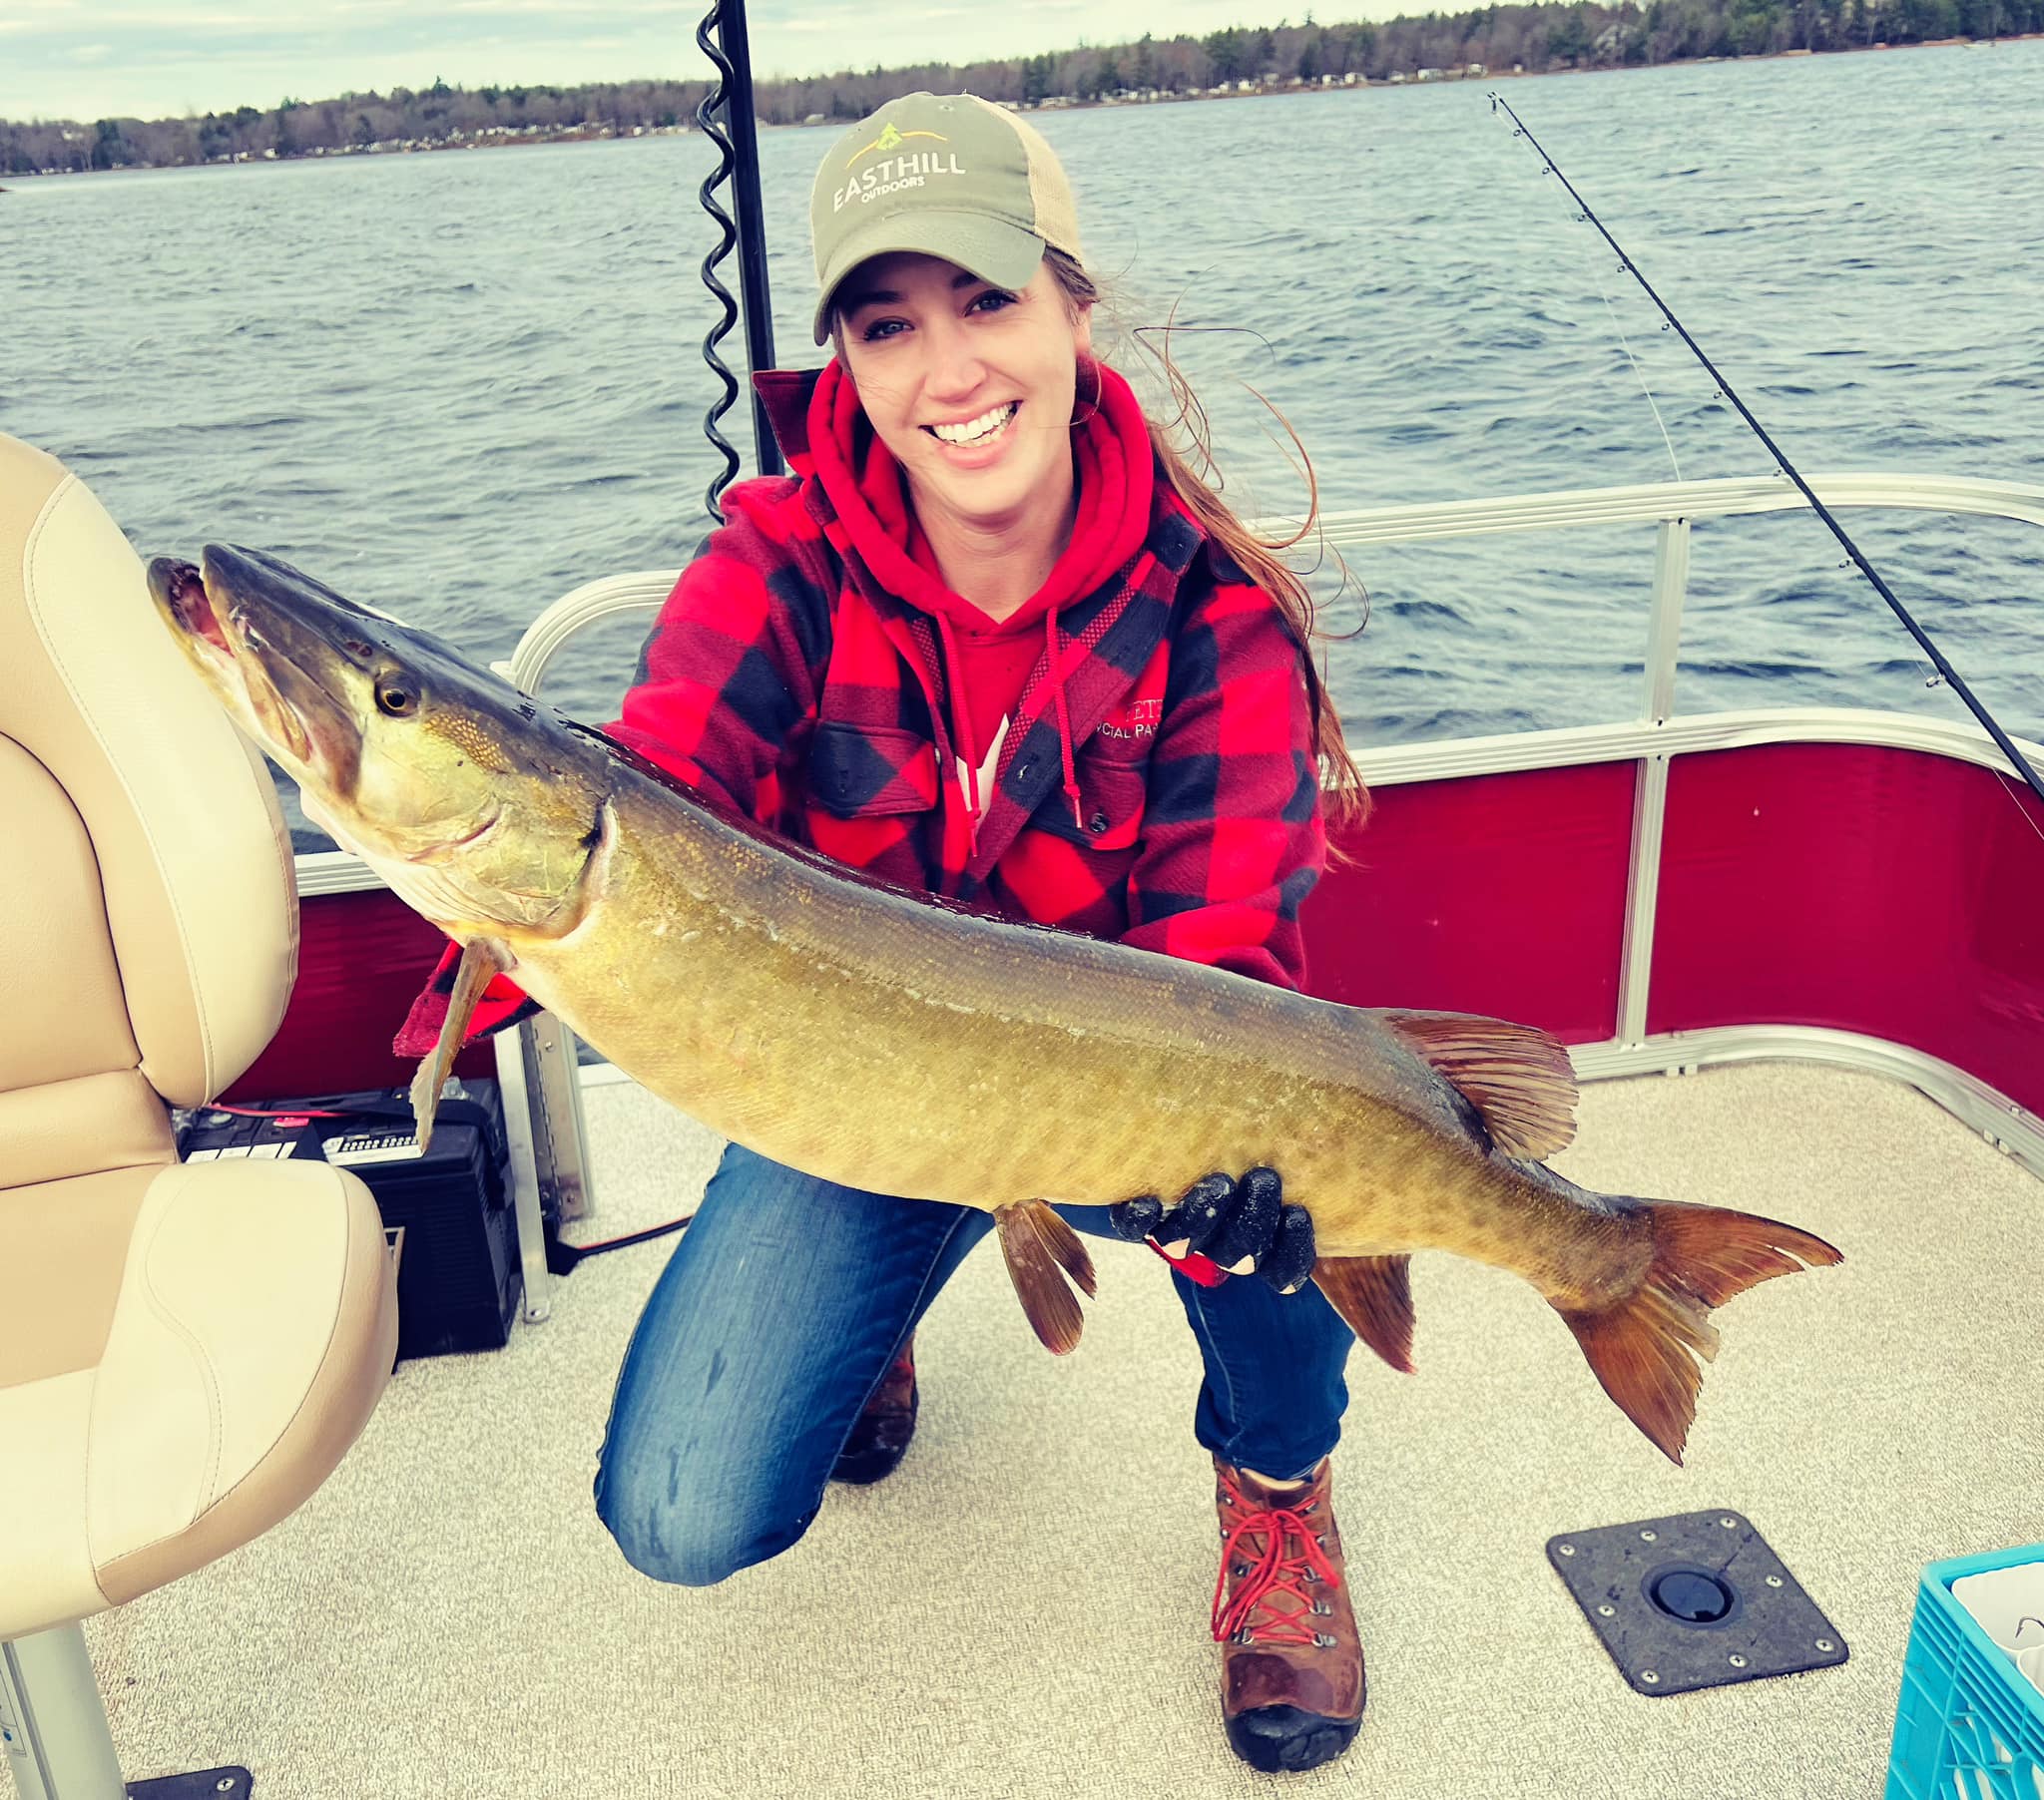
895,18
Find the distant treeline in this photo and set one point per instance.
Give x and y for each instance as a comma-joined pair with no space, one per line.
1491,38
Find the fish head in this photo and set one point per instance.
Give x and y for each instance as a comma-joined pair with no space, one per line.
473,803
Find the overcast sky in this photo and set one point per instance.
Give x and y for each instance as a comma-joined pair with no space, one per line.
89,59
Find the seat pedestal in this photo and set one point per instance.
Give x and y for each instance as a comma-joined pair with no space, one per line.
54,1738
53,1724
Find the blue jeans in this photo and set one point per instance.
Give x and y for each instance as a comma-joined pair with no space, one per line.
785,1305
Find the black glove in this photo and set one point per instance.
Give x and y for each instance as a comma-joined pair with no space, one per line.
1236,1225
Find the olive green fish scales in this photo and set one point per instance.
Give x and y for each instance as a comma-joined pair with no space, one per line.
883,1041
879,1041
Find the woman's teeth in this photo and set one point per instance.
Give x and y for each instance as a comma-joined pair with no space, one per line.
977,431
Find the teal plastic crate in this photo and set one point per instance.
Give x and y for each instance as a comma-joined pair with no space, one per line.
1968,1725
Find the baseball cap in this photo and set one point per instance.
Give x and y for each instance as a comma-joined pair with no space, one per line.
949,175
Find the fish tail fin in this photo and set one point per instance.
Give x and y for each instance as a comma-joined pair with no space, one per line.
1041,1250
1373,1296
1646,1349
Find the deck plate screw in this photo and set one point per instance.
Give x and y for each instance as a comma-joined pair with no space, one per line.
1738,1661
1825,1643
1648,1677
1606,1612
1567,1549
1650,1535
1774,1581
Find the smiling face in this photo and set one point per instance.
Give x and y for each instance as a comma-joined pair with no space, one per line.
970,385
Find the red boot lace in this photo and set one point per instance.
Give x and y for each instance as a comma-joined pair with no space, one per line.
1275,1580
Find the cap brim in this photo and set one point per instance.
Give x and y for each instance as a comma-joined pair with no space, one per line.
991,248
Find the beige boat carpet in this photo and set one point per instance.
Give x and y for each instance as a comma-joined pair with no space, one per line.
1021,1609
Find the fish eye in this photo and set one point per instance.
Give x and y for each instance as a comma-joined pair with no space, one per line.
396,702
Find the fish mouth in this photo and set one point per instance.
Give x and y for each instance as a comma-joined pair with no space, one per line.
221,639
180,589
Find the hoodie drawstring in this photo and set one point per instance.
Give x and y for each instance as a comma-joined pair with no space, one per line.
1057,685
961,725
967,744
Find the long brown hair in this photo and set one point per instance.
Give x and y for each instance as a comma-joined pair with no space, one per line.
1346,798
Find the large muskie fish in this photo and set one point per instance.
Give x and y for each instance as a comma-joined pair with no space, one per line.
876,1038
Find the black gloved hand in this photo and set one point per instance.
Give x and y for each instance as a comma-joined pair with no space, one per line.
1238,1225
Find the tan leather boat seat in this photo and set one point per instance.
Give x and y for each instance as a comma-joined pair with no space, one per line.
185,1352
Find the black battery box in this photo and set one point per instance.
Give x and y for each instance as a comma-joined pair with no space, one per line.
459,1279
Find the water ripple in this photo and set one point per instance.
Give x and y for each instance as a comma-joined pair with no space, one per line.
464,385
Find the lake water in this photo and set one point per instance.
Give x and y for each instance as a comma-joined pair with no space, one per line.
459,385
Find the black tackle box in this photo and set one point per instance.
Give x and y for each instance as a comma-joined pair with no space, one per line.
459,1279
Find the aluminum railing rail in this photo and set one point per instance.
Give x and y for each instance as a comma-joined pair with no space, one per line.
1672,504
1659,501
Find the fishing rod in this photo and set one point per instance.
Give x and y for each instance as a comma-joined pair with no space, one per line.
1950,675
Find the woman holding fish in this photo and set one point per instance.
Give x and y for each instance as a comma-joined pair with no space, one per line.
993,640
991,655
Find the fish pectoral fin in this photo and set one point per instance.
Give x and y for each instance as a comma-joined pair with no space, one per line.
1373,1296
1041,1250
1516,1075
479,964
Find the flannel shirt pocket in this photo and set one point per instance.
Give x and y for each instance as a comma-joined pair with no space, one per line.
869,771
1114,791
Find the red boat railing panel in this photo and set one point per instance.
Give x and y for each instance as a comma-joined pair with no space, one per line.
1501,894
363,958
1861,888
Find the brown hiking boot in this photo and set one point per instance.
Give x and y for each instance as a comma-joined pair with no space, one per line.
879,1440
1291,1686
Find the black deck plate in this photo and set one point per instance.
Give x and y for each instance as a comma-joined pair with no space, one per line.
1773,1629
204,1785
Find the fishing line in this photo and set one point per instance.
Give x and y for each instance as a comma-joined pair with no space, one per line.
1619,331
1946,670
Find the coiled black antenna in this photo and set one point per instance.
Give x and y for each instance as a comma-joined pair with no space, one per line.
728,236
726,116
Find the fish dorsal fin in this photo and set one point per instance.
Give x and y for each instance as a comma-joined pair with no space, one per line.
1373,1296
1041,1249
1516,1075
479,964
